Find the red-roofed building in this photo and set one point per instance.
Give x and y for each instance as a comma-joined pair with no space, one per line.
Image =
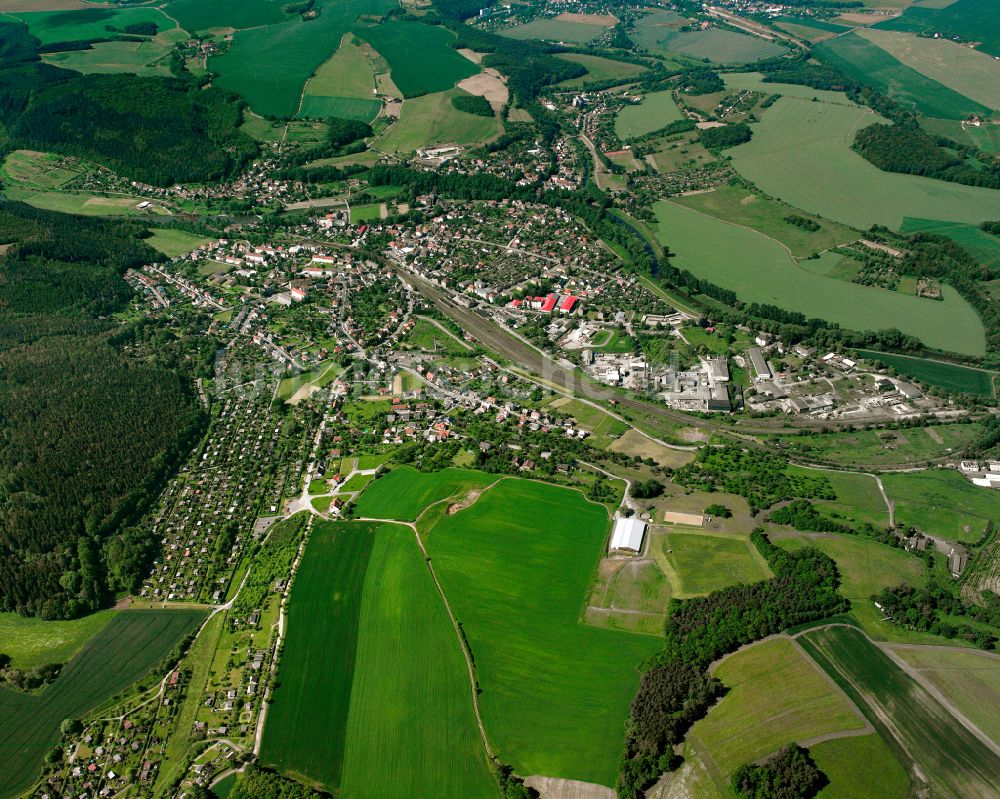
550,303
568,304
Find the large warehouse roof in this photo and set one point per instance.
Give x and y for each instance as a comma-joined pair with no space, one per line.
628,534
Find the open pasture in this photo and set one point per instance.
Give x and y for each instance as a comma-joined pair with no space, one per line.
269,65
969,72
858,498
865,61
718,45
31,642
140,58
971,20
985,136
970,680
629,595
942,502
766,273
768,217
599,69
344,86
776,696
635,444
516,567
41,170
88,23
860,767
85,204
657,110
573,28
936,373
124,650
697,563
801,153
755,82
953,760
809,28
432,119
983,246
173,242
421,58
404,492
386,711
198,15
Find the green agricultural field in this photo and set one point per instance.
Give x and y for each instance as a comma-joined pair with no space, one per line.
985,136
174,242
420,56
140,58
125,650
809,28
599,69
404,492
755,82
936,373
768,217
87,23
41,170
858,498
953,760
942,502
717,45
365,213
31,642
697,563
319,107
432,119
968,72
866,567
85,204
387,712
860,767
344,86
197,15
866,62
801,154
602,426
516,567
657,110
881,447
269,65
971,20
983,246
558,30
970,680
776,696
765,273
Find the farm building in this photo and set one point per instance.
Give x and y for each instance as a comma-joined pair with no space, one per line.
760,367
627,535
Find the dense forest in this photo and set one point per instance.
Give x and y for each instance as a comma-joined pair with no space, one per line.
88,433
676,690
790,774
157,130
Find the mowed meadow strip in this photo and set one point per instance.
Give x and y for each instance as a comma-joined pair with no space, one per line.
373,696
516,567
125,650
404,492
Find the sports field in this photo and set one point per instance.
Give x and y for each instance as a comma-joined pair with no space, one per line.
769,217
801,153
599,69
269,65
970,680
983,246
952,759
575,28
174,242
404,492
765,273
860,767
861,59
374,696
30,642
657,110
420,56
432,119
942,502
776,696
969,72
125,650
88,23
697,563
971,20
935,373
516,567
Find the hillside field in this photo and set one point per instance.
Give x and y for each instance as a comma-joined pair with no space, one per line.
387,711
420,56
972,20
658,33
953,760
197,15
140,58
599,69
404,492
942,502
432,119
563,28
775,696
344,86
765,273
936,373
657,110
30,641
88,23
859,767
983,246
516,567
124,650
173,242
801,153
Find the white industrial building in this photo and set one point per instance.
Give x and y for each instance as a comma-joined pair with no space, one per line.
627,535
